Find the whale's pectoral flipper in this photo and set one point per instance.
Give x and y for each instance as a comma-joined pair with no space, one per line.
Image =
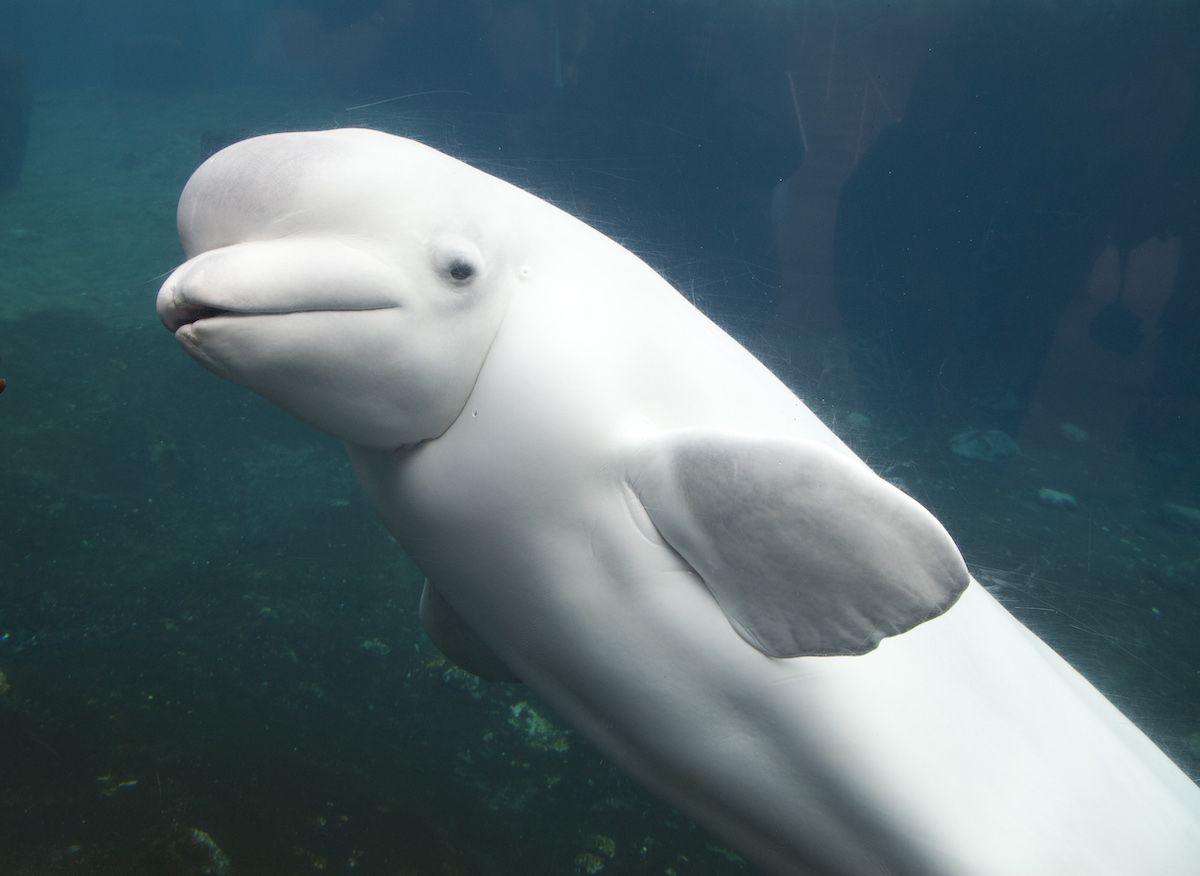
806,549
455,638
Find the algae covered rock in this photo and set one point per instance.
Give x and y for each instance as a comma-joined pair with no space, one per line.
539,731
1056,499
1182,517
186,852
984,445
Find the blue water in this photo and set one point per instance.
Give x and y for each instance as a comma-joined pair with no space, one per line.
926,219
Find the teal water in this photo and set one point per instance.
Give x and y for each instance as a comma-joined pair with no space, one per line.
918,219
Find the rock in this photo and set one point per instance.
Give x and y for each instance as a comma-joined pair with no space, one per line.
187,852
1072,432
460,679
1182,517
985,445
206,852
540,732
589,864
378,647
1056,499
1181,576
592,862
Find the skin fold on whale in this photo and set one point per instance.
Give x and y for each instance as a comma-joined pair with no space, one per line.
618,505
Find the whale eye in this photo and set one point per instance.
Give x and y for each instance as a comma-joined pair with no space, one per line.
458,260
461,270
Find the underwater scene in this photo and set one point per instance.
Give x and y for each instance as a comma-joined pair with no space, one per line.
966,234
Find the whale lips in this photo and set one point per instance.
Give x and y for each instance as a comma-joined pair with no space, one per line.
175,311
178,315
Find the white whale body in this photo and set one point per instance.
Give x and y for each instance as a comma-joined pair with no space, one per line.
617,504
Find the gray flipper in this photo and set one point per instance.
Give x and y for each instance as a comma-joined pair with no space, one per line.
806,550
457,640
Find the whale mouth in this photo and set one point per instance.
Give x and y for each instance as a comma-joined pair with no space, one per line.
177,315
175,312
186,314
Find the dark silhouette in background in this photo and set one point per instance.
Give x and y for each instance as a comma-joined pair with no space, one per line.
990,203
966,191
1034,141
16,108
696,97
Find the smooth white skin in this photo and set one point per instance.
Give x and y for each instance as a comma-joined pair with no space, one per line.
496,425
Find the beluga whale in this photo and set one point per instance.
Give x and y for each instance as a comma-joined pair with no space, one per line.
617,504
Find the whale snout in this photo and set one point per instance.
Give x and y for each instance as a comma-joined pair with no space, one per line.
279,276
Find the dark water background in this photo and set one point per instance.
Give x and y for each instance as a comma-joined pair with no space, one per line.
927,219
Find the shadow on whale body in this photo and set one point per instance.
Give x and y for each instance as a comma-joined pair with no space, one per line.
618,505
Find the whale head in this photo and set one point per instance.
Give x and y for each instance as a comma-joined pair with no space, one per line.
353,278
